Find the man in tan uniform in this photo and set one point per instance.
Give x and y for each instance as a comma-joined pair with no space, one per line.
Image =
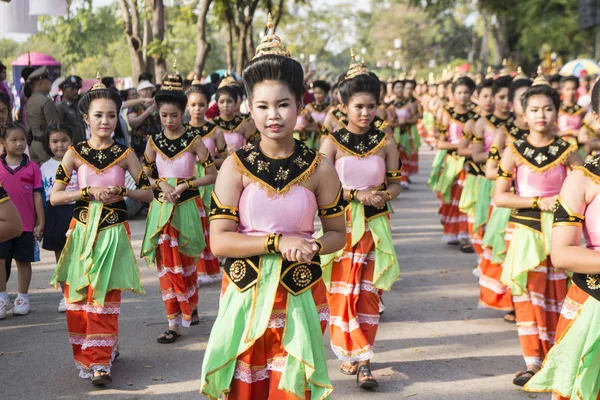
41,112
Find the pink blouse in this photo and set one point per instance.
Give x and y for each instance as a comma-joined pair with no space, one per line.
361,173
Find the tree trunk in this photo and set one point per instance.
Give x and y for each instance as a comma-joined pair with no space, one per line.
132,31
203,47
500,32
148,61
245,19
250,49
229,37
484,50
158,33
242,56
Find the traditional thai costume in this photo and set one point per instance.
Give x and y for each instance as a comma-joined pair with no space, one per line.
571,368
174,239
233,138
357,275
97,262
538,289
267,339
570,120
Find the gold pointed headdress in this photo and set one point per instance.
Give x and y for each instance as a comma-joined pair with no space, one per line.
196,81
356,68
228,80
99,84
271,43
505,70
431,80
490,73
540,79
520,75
172,82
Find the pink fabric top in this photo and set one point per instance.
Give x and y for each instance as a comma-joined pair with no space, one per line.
488,137
570,123
591,227
361,173
402,114
20,184
234,140
211,145
290,214
318,117
530,183
183,166
112,176
455,132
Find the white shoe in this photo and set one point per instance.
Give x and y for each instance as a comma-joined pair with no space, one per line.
5,306
21,306
404,185
62,306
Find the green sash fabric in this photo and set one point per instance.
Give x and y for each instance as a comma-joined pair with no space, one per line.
528,249
436,166
397,135
415,137
429,121
494,233
572,366
183,217
387,269
103,259
205,191
243,318
484,192
452,168
468,197
405,142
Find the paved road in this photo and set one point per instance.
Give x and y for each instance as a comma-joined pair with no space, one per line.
433,342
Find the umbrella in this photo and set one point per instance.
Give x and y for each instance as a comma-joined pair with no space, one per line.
577,68
221,73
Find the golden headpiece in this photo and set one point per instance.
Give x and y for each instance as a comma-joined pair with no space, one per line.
196,81
99,84
431,80
520,75
505,70
490,73
402,76
271,43
540,79
356,68
172,82
227,80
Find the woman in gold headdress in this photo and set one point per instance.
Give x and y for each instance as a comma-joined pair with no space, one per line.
267,340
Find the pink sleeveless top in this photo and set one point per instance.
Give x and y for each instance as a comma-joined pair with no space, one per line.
183,166
402,114
112,176
455,132
570,123
211,145
530,183
291,214
318,117
361,173
488,137
234,140
591,227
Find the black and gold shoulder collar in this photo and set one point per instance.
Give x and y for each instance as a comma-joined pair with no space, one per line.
205,130
496,122
173,148
514,131
544,158
98,159
359,145
401,103
319,107
379,124
229,126
338,114
463,118
277,176
571,110
246,116
591,169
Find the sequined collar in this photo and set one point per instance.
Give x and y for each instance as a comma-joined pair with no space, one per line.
541,159
377,122
496,122
591,169
359,145
100,160
203,131
514,131
277,176
401,103
463,118
173,148
571,110
229,126
320,107
338,114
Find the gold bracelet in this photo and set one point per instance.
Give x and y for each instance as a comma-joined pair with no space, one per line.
272,243
535,202
389,195
276,245
157,183
320,245
352,195
190,184
85,193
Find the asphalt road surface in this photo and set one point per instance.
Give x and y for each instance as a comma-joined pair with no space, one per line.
433,341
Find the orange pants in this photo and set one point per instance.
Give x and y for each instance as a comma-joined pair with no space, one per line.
455,222
538,310
354,302
93,331
208,267
258,370
476,237
492,292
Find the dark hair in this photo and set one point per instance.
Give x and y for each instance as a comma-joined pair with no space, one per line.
396,82
227,91
485,84
463,81
60,127
11,126
174,97
596,98
145,76
108,81
6,100
214,78
411,81
2,67
202,89
570,78
500,83
90,96
516,85
239,88
275,68
553,78
364,83
124,95
323,85
541,90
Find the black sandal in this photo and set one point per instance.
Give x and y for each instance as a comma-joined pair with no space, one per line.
523,377
102,379
467,248
195,318
164,338
348,371
510,317
365,372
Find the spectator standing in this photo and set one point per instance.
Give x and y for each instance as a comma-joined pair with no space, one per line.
41,112
143,119
68,112
3,85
